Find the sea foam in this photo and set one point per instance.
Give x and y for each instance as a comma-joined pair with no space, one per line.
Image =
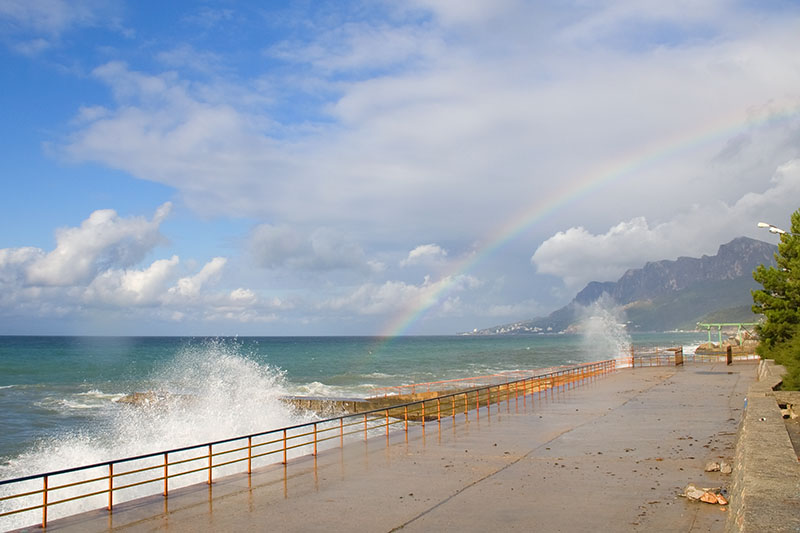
604,332
213,392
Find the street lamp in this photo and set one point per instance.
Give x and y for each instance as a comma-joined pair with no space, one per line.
776,229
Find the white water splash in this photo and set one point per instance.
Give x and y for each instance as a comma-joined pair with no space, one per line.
603,324
213,392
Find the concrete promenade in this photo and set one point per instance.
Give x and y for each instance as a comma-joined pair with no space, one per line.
613,454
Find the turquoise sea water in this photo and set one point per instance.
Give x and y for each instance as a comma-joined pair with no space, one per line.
57,394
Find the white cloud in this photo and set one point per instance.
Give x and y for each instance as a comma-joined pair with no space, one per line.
49,19
425,254
14,262
92,273
190,286
50,16
578,256
292,248
242,296
104,240
132,287
397,296
357,46
364,134
477,127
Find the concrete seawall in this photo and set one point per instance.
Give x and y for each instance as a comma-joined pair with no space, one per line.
765,495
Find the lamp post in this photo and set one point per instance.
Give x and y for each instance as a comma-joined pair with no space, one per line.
775,229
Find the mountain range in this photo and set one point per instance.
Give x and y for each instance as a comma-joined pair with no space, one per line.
666,295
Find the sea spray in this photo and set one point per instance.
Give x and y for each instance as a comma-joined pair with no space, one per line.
211,391
603,325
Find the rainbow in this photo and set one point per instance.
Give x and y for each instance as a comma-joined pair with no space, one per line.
623,166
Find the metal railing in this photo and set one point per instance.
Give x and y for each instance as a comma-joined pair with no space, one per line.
719,357
101,483
657,356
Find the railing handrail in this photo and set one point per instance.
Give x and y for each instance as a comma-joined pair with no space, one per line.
285,428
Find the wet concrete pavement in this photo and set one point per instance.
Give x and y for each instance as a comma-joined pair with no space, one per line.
612,454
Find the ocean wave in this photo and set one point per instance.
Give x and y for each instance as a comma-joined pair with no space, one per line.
318,389
232,395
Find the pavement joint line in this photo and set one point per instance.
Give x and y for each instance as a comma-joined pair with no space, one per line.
521,457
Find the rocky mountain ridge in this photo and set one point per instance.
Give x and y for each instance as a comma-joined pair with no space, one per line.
669,294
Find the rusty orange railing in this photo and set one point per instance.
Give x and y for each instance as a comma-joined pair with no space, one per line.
103,485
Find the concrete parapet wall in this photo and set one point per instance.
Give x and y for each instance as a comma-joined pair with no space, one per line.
765,495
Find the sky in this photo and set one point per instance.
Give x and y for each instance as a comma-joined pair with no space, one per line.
377,167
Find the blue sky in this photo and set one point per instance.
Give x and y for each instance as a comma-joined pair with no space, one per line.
289,168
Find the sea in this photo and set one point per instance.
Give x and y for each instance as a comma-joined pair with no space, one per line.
59,396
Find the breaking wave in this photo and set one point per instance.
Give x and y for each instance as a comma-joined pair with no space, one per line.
210,391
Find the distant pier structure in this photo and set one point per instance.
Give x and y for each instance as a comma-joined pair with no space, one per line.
740,327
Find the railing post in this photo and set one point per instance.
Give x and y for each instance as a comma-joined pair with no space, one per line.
525,393
250,454
210,463
284,446
44,504
423,414
341,432
438,410
365,427
166,475
315,439
466,407
387,427
110,485
405,418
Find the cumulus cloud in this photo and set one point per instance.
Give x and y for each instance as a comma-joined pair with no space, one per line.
104,240
578,256
322,249
15,261
190,286
93,271
397,296
132,287
425,254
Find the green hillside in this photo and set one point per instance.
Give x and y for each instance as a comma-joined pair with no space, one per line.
707,301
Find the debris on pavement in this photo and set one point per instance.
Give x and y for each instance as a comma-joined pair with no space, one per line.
707,495
721,467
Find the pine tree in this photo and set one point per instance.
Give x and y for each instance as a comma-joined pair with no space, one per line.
779,300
